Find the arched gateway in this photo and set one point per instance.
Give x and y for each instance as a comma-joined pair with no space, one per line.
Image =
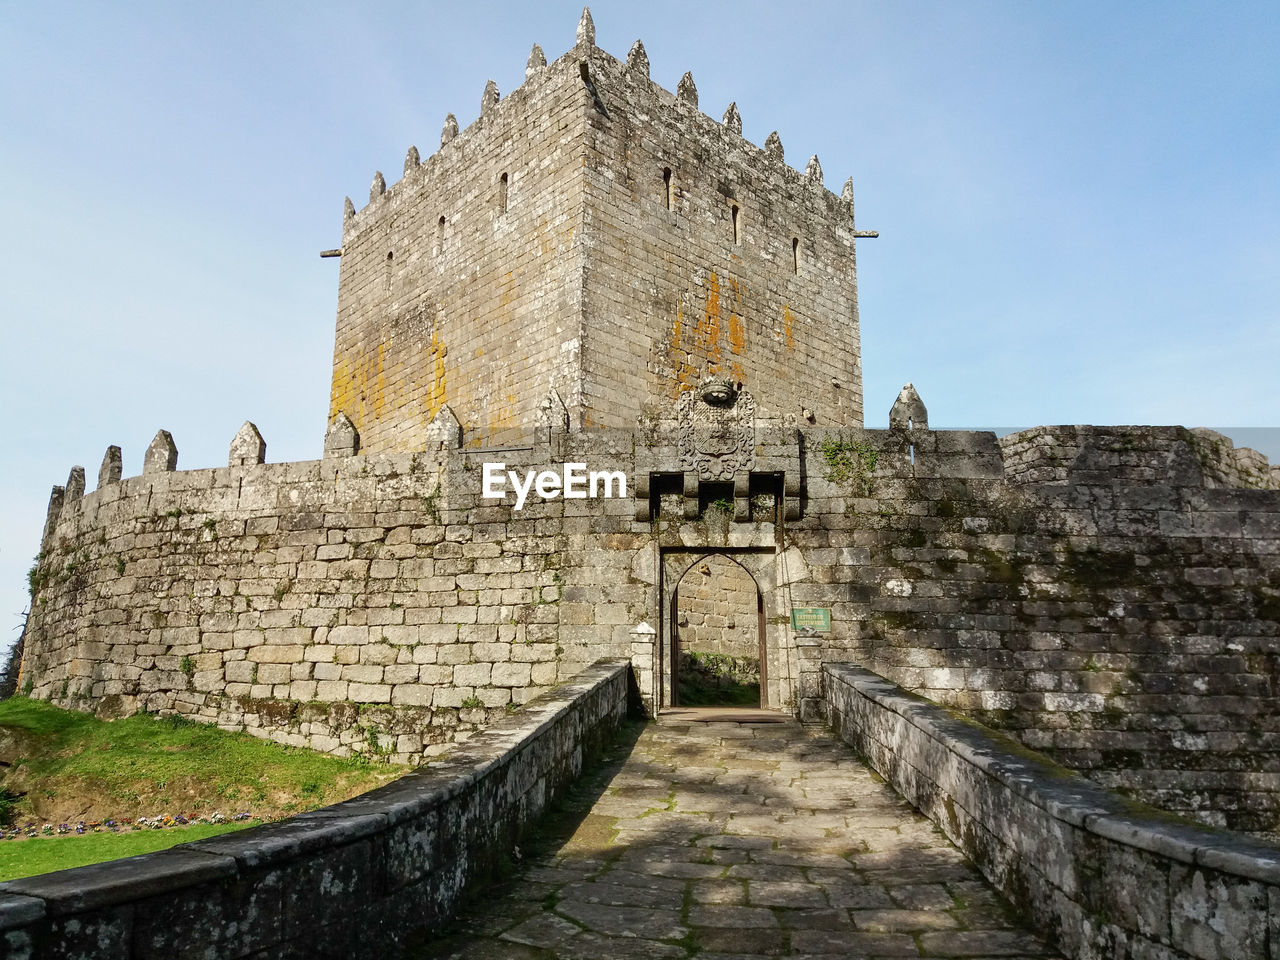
721,643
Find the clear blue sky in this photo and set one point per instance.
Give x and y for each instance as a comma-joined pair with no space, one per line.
1078,202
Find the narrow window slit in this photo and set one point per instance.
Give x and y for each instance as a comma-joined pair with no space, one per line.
502,194
666,186
795,255
440,237
735,224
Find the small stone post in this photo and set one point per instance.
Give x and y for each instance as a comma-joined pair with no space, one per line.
644,644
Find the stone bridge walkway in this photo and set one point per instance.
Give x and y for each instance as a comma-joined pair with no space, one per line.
726,840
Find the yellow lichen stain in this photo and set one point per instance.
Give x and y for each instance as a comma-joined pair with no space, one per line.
704,354
436,391
788,331
508,291
677,358
340,393
359,392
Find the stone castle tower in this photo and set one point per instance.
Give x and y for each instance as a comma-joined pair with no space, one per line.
595,241
600,270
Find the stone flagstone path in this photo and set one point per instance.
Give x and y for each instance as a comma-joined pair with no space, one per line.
727,840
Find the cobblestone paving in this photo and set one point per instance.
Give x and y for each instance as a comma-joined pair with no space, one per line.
728,840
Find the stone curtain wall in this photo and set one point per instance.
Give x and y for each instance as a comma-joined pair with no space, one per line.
1101,876
364,878
1132,632
377,603
717,607
367,604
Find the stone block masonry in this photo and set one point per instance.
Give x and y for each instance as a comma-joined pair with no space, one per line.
363,878
1101,876
353,605
379,604
717,610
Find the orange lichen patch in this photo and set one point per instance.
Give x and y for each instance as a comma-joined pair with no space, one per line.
788,333
737,331
503,416
706,335
678,359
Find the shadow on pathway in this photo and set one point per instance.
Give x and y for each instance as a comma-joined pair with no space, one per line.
729,840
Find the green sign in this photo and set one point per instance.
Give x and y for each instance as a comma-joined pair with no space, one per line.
815,619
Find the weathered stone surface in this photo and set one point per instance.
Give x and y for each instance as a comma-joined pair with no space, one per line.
638,60
489,99
357,879
444,432
686,90
75,484
449,130
537,60
908,411
1081,862
732,120
112,467
813,171
586,35
773,146
247,447
161,455
341,439
118,881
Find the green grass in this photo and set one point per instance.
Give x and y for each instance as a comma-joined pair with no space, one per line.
716,680
70,766
26,858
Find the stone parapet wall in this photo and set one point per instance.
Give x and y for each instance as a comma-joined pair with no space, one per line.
1100,875
1134,455
363,878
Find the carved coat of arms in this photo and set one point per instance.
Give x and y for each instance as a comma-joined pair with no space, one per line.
716,429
